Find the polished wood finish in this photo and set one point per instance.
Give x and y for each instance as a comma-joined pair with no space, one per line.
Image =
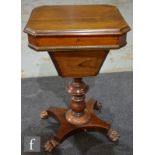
80,26
76,42
78,63
76,20
66,129
78,39
78,114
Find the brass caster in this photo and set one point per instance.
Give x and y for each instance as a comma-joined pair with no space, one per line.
44,115
98,106
50,145
113,135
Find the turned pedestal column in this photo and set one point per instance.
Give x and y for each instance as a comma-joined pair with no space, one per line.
78,39
78,113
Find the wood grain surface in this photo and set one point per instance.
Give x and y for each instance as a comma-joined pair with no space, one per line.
76,26
76,20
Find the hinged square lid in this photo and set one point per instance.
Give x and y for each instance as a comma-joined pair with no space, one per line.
76,20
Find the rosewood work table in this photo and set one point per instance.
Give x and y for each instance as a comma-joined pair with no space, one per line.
78,39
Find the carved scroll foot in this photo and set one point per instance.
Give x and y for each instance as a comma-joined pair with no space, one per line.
98,106
50,145
67,129
113,135
44,115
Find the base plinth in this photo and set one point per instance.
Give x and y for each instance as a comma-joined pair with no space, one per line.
78,120
67,129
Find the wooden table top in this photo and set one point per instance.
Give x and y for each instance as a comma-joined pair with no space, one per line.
77,37
76,20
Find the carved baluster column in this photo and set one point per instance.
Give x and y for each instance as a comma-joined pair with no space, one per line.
77,114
